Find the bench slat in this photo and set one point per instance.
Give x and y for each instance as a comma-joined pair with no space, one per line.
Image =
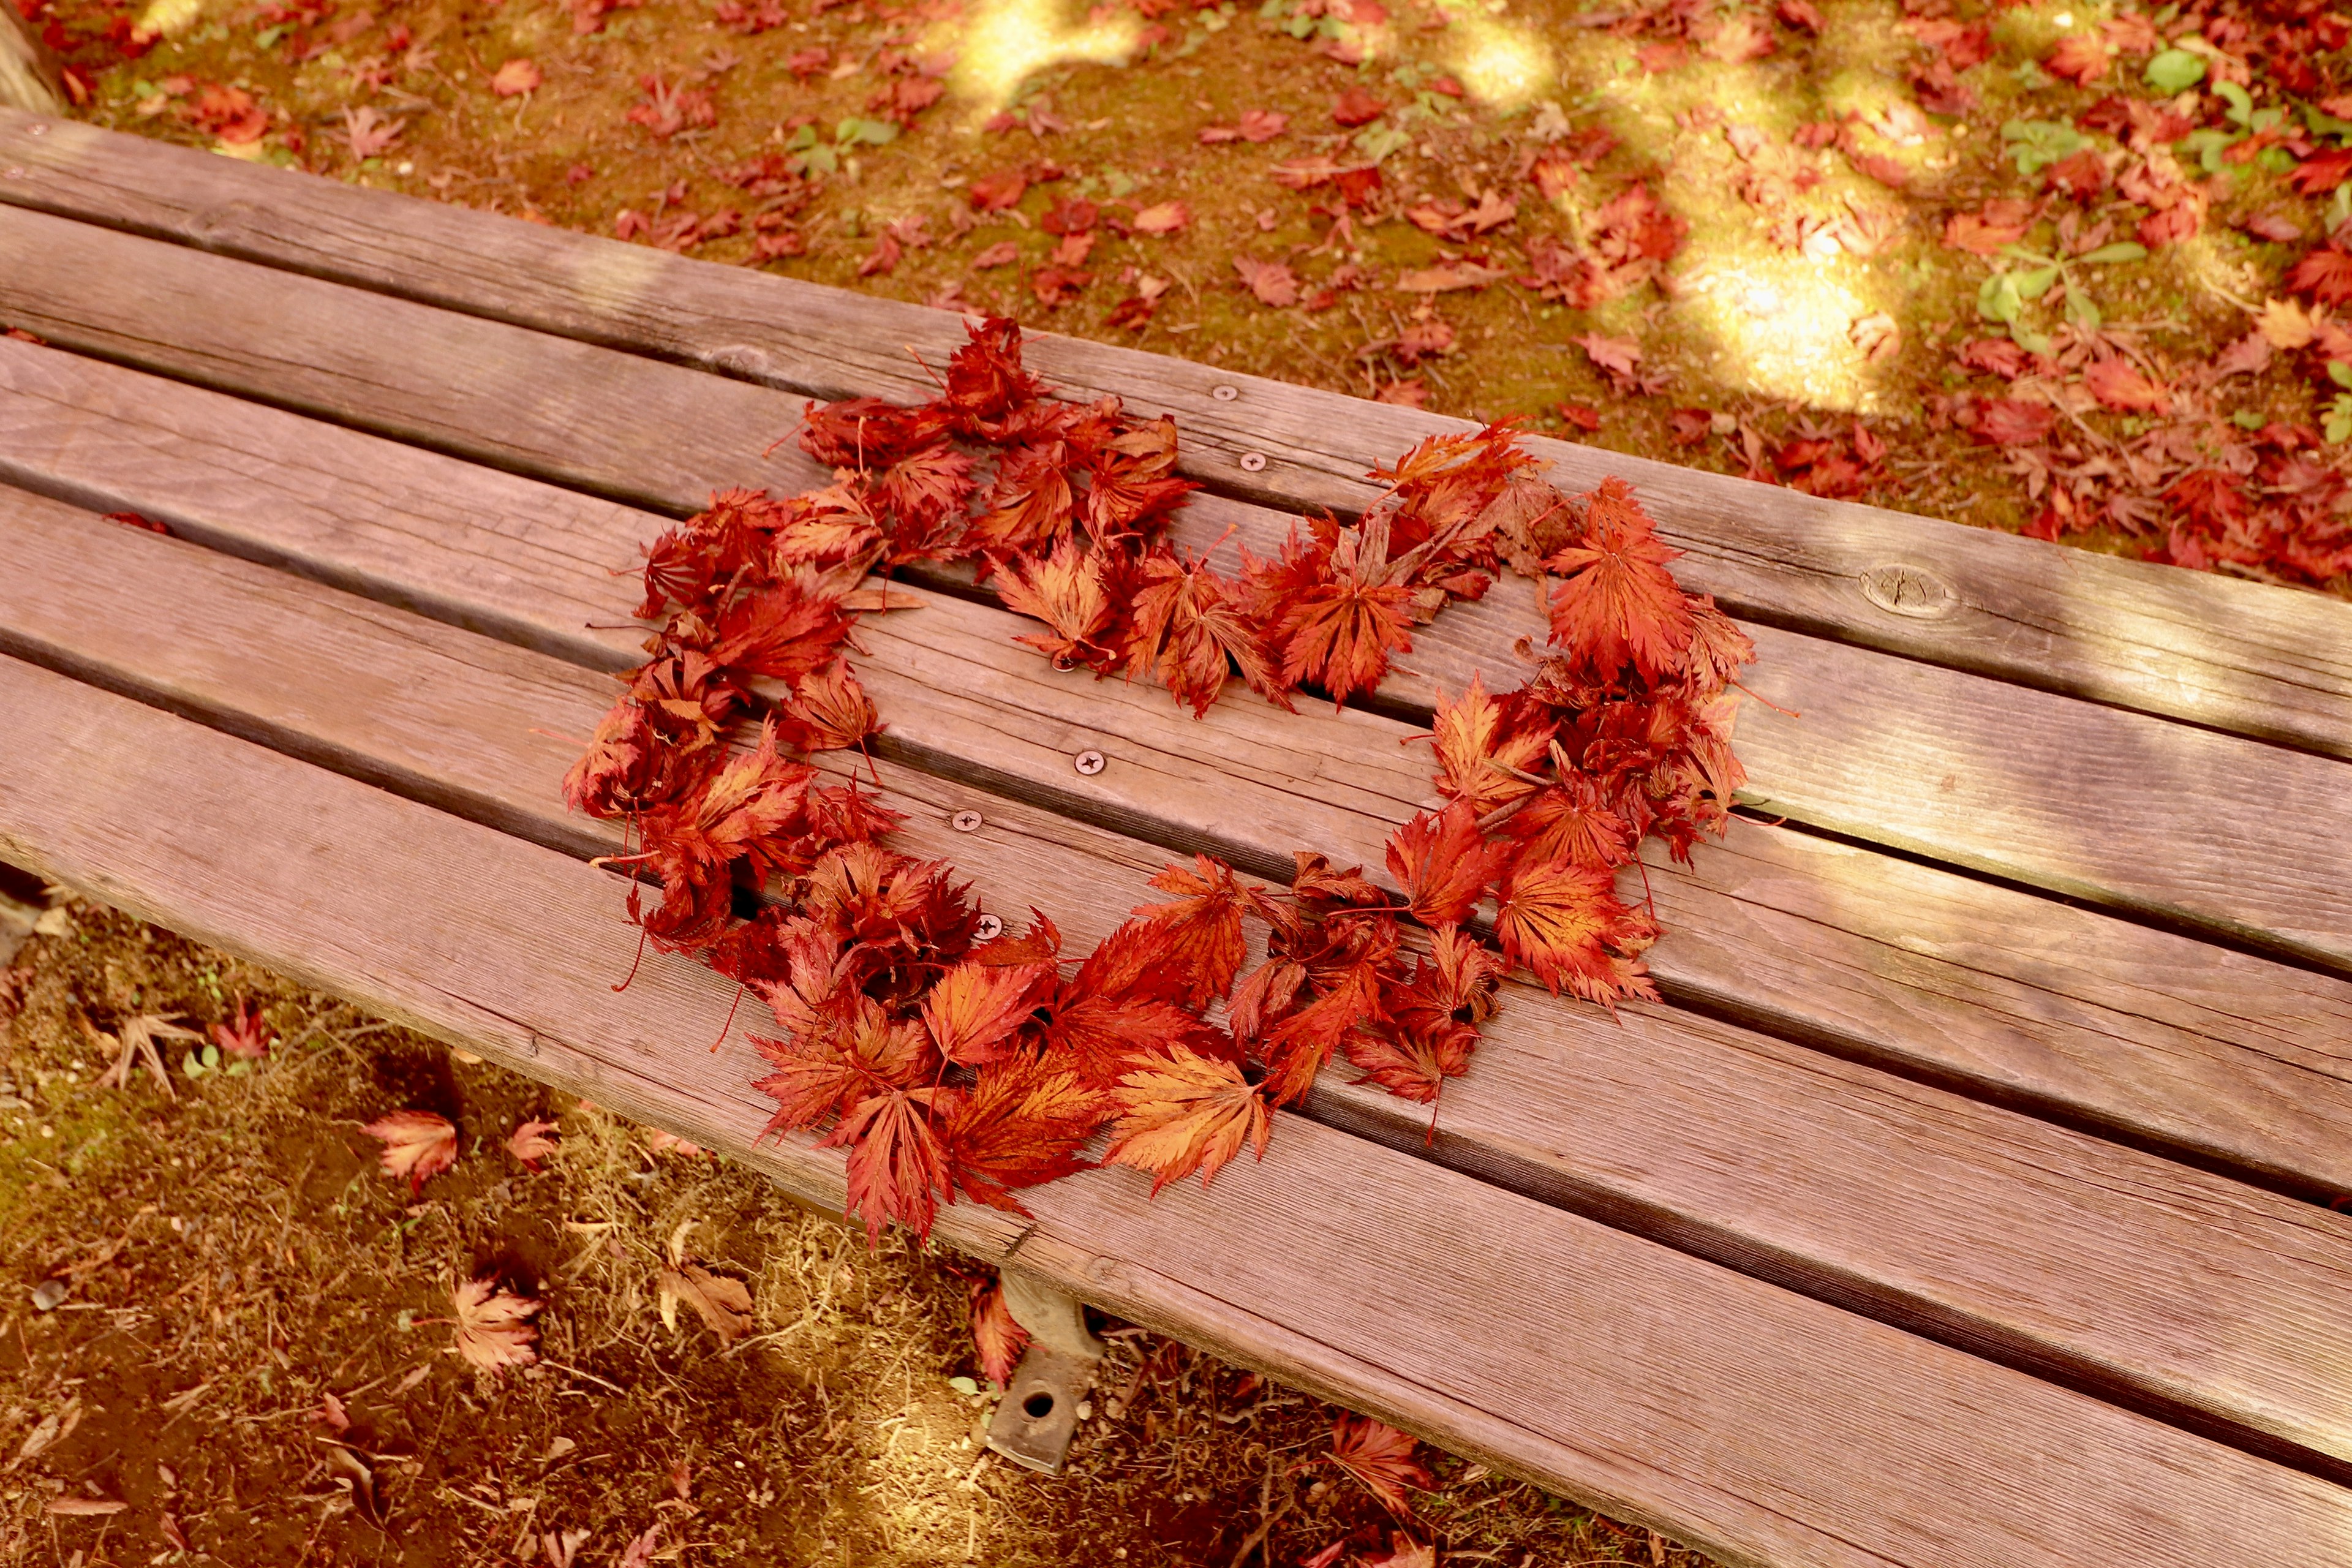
2250,658
2227,1056
2199,849
2102,1266
1765,1427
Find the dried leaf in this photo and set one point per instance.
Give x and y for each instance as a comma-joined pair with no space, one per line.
493,1328
417,1145
1184,1112
724,1304
530,1143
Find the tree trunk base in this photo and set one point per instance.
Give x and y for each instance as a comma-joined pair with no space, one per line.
30,77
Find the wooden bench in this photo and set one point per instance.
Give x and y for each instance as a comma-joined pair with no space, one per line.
1966,1202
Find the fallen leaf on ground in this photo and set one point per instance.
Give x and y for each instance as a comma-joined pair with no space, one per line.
1163,217
492,1330
530,1143
724,1305
136,1045
417,1145
515,78
243,1035
91,1507
1273,282
1381,1458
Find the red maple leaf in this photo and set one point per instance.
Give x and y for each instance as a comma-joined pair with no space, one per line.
1340,633
997,1337
829,711
1189,627
1382,1458
2326,275
1022,1127
1445,863
1618,602
897,1166
1202,928
2011,421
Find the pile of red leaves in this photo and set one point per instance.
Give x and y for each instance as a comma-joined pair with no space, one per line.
950,1066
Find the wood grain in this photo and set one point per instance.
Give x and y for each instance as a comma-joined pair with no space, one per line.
2178,1291
1951,765
2253,659
1764,1427
2225,1057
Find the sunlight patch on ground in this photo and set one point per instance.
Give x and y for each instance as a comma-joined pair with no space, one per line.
1008,41
1781,326
1501,63
168,18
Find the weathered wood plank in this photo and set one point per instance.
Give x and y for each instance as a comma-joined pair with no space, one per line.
2199,847
2253,659
1763,1426
2227,1058
2180,1291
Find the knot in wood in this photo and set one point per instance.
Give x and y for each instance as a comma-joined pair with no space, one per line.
224,219
740,359
1912,592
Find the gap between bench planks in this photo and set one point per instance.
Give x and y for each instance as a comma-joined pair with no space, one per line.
1762,1427
2184,1293
2193,1049
2197,847
2267,662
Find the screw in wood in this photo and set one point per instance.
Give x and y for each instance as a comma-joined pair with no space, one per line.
1253,461
1225,394
1088,762
16,174
966,821
37,130
987,927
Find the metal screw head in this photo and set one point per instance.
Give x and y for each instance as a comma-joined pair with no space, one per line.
966,821
987,927
1225,394
37,128
1088,762
1253,461
14,172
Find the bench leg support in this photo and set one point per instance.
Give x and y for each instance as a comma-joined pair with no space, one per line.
1039,1414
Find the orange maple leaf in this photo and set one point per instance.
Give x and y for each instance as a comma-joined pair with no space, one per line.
1183,1113
492,1330
1065,592
1445,863
1561,920
530,1143
1619,601
975,1008
1481,744
417,1145
830,711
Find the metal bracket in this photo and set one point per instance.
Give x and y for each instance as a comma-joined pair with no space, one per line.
1038,1416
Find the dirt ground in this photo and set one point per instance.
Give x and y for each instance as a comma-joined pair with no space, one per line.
198,1289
